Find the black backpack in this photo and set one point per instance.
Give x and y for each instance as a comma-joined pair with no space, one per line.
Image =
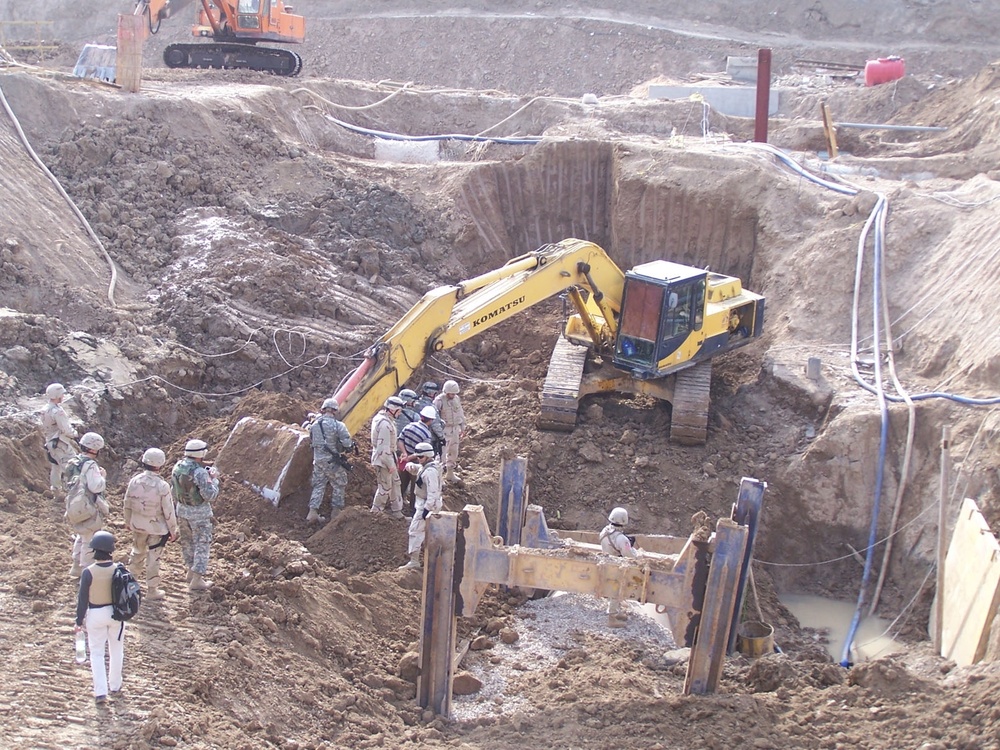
126,594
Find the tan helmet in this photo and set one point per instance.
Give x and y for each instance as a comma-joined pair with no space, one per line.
424,450
619,517
394,403
331,404
92,441
196,448
154,457
450,386
429,412
54,391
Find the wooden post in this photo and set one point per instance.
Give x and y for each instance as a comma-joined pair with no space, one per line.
128,65
829,130
763,95
437,619
942,542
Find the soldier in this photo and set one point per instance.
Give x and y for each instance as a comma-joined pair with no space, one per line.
615,542
384,459
449,408
413,433
409,412
58,434
428,392
150,516
86,508
426,472
93,608
330,440
195,484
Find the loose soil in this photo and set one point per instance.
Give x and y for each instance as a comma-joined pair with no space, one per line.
259,245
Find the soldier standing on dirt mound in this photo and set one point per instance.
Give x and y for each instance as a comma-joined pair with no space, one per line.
449,408
426,472
615,542
330,441
195,484
58,434
149,515
383,459
93,606
86,508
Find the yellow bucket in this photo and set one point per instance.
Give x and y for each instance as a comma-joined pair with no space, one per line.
755,639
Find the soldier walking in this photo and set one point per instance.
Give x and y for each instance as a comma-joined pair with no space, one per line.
330,441
150,516
86,508
195,484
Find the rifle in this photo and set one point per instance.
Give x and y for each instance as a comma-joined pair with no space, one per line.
337,457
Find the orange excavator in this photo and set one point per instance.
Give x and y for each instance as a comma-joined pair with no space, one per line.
235,28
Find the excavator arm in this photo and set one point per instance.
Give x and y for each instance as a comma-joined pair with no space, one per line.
449,315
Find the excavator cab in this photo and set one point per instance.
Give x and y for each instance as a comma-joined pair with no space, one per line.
663,309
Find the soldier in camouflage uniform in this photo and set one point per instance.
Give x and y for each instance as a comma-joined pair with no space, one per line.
383,459
195,485
428,392
330,440
83,475
449,408
150,516
58,434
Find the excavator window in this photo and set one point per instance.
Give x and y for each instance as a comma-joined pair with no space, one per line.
642,308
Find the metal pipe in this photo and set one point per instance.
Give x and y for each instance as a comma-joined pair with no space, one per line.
942,539
876,126
763,95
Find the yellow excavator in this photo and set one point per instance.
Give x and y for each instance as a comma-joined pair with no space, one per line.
655,327
235,27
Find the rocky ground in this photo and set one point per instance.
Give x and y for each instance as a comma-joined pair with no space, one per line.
258,246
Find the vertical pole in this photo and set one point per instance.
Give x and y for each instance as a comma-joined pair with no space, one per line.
941,541
437,619
829,131
128,61
709,650
763,95
746,512
513,499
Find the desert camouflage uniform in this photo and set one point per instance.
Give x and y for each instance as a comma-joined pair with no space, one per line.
149,514
92,477
451,413
384,462
58,434
194,488
328,432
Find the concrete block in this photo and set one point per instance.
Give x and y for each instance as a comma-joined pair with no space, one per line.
735,101
971,587
742,69
272,458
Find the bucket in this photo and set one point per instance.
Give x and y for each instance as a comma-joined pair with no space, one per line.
884,69
755,639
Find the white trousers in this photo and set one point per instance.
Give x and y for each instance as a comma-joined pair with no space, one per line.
103,630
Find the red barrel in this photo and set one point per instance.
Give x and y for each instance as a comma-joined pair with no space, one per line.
883,70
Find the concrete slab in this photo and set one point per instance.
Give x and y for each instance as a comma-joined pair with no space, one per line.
736,101
971,587
272,458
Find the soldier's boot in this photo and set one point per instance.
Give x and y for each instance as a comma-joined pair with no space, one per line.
334,512
314,517
198,582
412,564
190,573
153,590
76,571
396,514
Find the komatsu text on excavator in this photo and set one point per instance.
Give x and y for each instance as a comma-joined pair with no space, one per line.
655,327
235,27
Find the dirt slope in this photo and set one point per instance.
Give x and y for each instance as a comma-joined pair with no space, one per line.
262,245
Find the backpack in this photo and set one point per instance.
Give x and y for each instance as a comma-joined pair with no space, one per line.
80,504
126,594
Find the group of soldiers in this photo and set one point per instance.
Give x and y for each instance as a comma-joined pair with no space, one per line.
415,440
155,511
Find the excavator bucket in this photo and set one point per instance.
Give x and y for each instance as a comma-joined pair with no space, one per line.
97,61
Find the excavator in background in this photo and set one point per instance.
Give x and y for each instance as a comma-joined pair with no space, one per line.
235,27
655,329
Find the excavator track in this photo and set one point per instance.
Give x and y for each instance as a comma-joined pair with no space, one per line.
561,390
689,417
281,62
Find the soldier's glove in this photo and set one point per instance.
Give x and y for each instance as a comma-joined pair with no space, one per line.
631,539
425,513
